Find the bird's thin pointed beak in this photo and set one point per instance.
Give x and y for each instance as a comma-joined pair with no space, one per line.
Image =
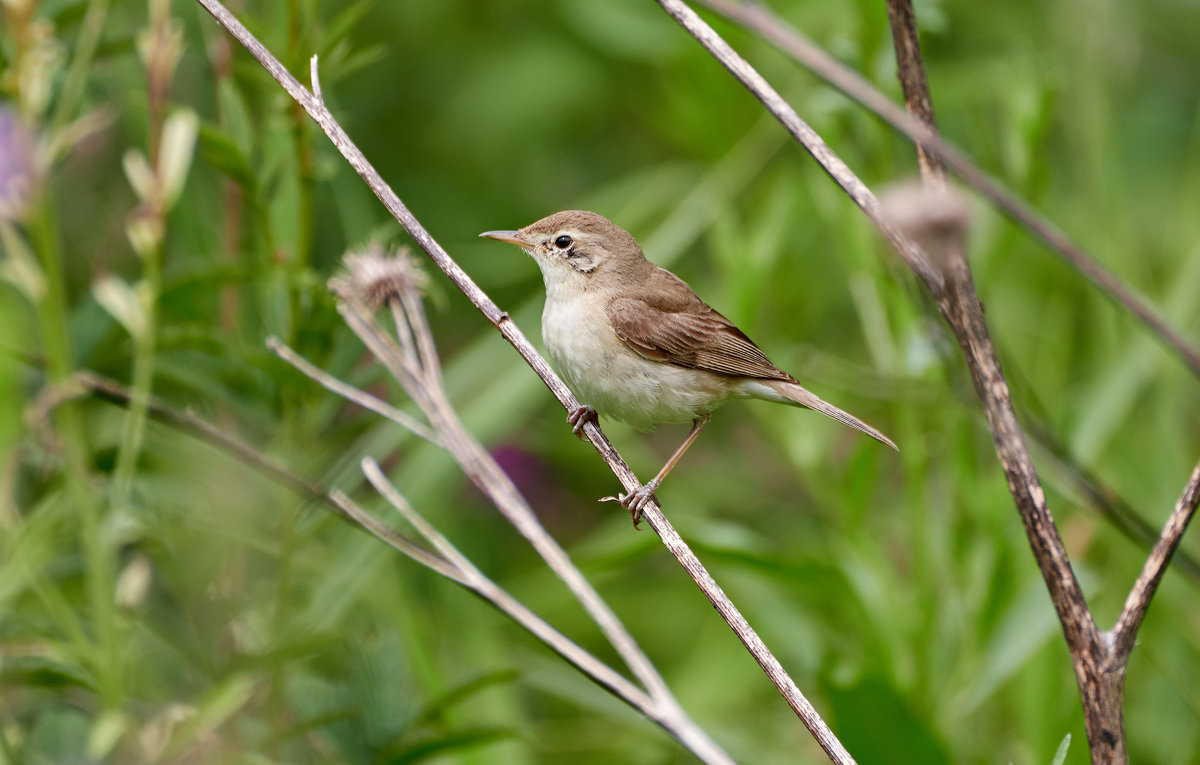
511,237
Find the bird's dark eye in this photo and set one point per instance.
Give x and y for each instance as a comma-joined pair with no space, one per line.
563,242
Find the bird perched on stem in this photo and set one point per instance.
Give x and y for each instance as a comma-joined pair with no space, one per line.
634,342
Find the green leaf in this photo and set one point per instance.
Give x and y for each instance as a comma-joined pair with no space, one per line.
1060,754
455,741
223,153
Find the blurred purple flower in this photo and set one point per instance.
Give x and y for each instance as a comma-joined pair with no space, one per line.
17,168
544,490
527,470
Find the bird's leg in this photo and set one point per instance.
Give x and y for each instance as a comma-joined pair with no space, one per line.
580,416
636,500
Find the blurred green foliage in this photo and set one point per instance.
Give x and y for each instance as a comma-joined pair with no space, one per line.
161,602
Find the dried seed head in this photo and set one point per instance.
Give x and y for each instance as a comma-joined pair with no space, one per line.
372,276
934,216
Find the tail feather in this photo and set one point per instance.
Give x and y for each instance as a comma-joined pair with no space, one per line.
794,394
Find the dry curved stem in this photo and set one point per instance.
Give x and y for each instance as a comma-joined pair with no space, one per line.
1124,633
473,579
348,391
449,562
508,329
758,18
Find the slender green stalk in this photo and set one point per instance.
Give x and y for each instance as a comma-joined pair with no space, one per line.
305,180
300,260
281,618
145,353
72,435
85,50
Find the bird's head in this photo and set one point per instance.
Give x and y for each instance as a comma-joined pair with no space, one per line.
576,247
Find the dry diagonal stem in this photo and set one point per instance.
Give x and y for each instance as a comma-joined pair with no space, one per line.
473,579
412,360
351,393
316,109
1124,634
779,108
757,17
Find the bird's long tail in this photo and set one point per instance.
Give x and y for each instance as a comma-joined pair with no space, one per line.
791,393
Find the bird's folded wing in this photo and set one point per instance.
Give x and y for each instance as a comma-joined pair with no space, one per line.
699,340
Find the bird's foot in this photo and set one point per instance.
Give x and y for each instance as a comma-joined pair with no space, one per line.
580,416
635,501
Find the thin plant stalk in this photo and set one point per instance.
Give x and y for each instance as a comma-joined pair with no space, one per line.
104,659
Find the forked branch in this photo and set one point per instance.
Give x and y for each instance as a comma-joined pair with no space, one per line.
1124,633
1099,660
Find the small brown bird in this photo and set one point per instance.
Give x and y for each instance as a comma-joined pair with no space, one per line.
636,343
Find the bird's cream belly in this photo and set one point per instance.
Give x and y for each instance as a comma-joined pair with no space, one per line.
606,374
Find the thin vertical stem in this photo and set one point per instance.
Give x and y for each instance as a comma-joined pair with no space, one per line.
72,435
1100,681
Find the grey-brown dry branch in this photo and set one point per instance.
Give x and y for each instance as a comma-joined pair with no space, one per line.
1101,497
652,513
1124,633
760,19
1099,660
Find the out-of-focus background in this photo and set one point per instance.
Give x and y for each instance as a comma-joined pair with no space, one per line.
160,601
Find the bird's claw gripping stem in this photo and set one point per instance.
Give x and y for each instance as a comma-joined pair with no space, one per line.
581,416
635,501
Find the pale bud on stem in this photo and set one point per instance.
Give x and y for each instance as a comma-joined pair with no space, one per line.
933,216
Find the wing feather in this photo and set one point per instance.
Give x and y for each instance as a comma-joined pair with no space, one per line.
696,337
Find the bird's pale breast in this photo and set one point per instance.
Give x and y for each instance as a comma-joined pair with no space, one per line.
606,374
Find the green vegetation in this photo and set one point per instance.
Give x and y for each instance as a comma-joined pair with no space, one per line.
160,601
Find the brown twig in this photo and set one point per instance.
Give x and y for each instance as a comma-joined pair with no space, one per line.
1124,633
1110,505
910,70
508,329
761,20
